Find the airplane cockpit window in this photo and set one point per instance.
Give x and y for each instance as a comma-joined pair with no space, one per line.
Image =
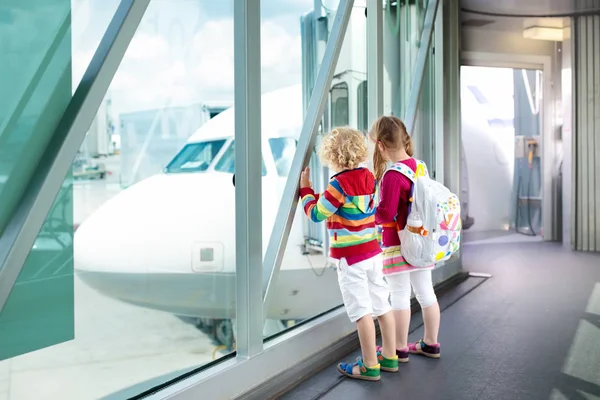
227,161
283,150
195,157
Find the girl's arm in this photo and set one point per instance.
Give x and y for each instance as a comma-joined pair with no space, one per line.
320,207
389,197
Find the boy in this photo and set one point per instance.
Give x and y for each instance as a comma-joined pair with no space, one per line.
348,205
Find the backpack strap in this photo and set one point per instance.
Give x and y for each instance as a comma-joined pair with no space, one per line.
410,174
403,169
421,169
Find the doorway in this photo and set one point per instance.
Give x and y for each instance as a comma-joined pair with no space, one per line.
501,136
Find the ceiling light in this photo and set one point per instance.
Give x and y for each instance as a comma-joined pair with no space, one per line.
543,33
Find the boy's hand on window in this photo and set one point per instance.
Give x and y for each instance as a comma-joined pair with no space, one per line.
305,179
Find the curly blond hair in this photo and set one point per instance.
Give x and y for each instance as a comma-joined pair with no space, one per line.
344,148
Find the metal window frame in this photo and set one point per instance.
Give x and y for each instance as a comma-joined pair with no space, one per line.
306,142
412,107
452,106
29,217
439,89
248,172
233,378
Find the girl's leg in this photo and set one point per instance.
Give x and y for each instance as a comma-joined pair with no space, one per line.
399,286
423,286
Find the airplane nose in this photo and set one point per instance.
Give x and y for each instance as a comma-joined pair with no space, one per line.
147,228
159,244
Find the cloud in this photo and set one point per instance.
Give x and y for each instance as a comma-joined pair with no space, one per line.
212,46
151,75
145,46
281,56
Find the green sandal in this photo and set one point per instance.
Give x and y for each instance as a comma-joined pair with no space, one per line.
386,364
366,374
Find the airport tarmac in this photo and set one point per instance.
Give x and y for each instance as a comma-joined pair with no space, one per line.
116,345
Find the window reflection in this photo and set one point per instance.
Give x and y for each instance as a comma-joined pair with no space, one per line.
362,107
283,150
339,105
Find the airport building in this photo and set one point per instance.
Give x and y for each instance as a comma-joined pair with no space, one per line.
153,243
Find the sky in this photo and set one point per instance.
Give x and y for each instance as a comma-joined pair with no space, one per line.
182,52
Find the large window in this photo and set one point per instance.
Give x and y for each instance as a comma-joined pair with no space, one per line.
147,258
143,241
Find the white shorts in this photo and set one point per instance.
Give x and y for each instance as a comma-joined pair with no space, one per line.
364,290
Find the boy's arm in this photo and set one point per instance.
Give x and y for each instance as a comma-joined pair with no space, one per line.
320,207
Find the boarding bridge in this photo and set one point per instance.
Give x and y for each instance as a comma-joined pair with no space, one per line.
198,276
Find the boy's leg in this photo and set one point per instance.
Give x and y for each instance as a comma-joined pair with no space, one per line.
354,286
366,335
380,294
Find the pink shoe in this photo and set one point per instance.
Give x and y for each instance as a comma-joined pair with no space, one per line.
402,354
427,350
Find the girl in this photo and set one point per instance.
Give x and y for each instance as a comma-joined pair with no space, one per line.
348,205
393,144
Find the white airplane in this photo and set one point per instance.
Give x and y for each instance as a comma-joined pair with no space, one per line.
168,242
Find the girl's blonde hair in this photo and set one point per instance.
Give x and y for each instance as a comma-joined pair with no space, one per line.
391,133
344,148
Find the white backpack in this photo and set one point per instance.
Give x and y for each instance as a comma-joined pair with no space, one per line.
439,211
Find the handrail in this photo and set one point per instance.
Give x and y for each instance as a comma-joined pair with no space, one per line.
308,135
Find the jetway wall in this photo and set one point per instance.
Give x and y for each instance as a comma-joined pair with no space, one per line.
585,167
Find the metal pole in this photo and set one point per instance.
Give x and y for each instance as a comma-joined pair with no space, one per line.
289,200
25,224
248,164
452,110
438,131
420,66
451,82
374,59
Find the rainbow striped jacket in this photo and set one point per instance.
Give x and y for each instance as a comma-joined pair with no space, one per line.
348,207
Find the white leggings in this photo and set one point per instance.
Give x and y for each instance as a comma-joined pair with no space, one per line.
399,286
